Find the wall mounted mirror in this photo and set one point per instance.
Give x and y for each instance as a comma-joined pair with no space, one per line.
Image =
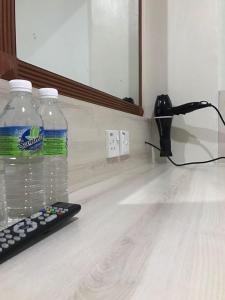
88,49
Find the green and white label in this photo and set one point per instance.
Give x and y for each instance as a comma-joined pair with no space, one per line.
55,142
21,140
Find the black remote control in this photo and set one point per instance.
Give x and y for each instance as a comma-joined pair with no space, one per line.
21,235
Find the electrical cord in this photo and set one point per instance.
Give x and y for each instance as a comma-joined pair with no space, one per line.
186,164
218,113
194,162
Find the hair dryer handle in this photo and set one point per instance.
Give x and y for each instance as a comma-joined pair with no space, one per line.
189,107
164,127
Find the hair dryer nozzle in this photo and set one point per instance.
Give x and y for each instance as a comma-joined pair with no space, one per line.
164,117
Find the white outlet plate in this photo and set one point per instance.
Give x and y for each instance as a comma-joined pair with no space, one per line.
124,142
112,143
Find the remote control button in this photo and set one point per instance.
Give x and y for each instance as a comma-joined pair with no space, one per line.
9,236
21,224
17,238
35,216
17,229
2,240
42,223
42,210
34,227
46,215
6,231
41,218
5,246
11,242
1,234
51,218
66,209
23,235
28,222
63,212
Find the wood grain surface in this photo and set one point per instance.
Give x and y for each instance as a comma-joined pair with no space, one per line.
154,235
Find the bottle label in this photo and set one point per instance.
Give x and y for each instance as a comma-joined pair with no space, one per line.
55,142
21,140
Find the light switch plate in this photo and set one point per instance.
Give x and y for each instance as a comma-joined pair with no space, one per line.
124,142
112,143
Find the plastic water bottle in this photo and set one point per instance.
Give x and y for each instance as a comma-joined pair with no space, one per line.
21,140
54,147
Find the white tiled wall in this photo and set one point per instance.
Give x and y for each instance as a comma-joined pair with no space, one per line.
221,138
87,125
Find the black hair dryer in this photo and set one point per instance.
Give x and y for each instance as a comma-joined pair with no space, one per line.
164,112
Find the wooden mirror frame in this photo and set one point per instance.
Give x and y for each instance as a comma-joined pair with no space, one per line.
11,67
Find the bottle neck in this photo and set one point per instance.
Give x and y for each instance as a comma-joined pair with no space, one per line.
23,98
48,101
20,111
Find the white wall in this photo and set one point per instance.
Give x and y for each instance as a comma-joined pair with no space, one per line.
183,55
154,52
221,126
193,75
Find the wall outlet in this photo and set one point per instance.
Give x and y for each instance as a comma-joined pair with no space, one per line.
124,143
112,143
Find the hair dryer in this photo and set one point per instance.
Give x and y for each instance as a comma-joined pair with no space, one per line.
164,112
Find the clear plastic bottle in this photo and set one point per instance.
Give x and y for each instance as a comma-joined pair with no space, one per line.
54,147
21,140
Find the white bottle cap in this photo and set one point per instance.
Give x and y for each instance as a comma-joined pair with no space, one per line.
48,93
19,85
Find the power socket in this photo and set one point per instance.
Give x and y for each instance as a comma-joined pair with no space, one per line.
112,143
124,142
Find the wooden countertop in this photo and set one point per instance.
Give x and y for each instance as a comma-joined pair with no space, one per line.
154,234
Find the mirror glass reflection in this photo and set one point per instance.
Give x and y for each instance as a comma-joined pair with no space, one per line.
94,42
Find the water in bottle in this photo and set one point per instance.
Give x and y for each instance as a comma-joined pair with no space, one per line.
3,207
54,147
21,140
